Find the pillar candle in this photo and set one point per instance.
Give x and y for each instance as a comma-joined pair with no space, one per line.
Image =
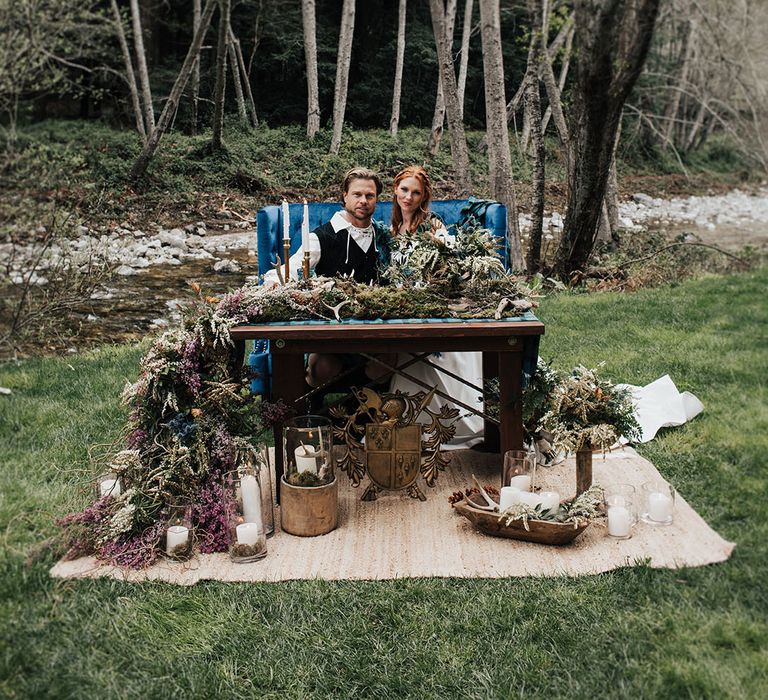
305,229
509,495
249,533
550,500
286,222
659,507
306,458
530,499
251,495
521,481
110,487
619,521
176,536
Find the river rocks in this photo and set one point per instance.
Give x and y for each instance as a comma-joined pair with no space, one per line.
126,249
175,238
226,266
736,208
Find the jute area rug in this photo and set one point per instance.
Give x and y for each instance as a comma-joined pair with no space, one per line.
397,537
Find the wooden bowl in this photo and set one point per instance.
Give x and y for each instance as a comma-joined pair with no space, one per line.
541,531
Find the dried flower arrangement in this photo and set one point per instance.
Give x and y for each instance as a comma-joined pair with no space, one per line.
589,412
564,413
193,417
457,262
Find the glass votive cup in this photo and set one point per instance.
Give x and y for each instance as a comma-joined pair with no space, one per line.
619,501
267,498
657,502
519,470
179,533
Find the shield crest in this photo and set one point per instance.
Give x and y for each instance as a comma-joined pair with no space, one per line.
393,454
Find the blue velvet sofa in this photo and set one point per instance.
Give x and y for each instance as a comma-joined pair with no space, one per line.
269,243
269,224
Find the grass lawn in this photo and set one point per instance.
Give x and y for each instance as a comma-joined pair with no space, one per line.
631,633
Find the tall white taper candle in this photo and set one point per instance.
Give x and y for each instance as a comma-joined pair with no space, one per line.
286,222
305,229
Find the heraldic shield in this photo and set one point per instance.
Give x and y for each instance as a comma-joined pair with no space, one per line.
384,440
393,455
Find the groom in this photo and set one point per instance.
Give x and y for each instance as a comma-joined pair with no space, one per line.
351,244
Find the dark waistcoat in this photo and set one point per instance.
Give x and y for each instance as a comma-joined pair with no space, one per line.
334,261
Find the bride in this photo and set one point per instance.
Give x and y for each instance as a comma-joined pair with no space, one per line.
412,222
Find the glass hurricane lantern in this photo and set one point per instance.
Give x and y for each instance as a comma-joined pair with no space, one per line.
246,511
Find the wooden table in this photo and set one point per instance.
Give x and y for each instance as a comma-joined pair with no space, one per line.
503,344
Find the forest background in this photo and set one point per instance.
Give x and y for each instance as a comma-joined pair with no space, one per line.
543,105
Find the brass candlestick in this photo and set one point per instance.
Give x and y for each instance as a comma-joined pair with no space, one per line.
305,265
287,257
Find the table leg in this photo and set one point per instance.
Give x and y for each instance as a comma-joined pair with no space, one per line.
288,384
238,358
510,401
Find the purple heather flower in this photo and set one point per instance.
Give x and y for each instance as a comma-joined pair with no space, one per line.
223,451
211,513
137,439
134,551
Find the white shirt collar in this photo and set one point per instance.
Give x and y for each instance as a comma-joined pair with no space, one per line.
362,236
341,223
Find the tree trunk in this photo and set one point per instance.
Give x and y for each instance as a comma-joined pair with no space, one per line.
244,75
130,76
525,131
438,119
196,8
670,116
554,47
237,84
140,166
609,219
553,94
459,153
310,57
610,46
499,159
466,33
514,104
697,122
563,76
219,90
533,254
342,72
394,121
141,63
